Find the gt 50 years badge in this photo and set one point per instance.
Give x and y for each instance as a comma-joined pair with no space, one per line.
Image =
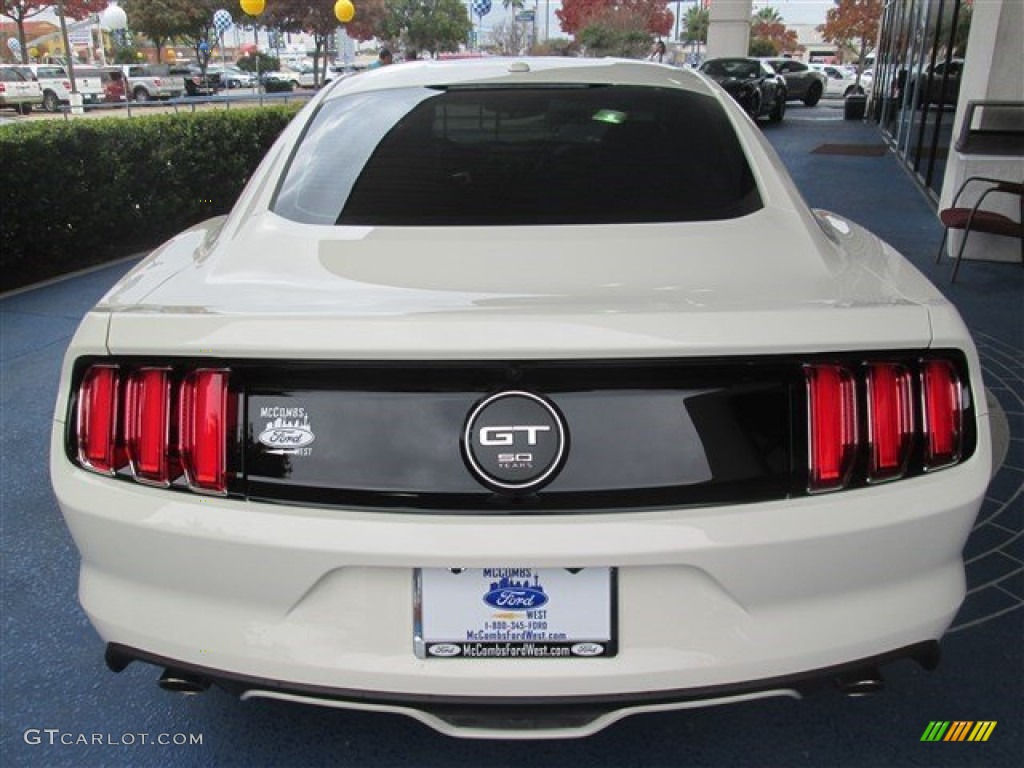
514,441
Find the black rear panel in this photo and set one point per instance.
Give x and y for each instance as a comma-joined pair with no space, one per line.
638,434
633,434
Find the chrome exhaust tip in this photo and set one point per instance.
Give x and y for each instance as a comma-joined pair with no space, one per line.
865,682
176,681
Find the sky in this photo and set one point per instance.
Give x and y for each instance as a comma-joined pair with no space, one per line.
798,11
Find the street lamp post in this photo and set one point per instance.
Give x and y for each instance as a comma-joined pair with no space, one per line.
75,98
115,19
254,8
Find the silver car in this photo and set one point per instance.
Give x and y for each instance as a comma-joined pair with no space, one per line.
803,83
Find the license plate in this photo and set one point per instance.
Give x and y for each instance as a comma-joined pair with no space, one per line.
514,613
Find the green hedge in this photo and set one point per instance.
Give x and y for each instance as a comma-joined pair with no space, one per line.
80,192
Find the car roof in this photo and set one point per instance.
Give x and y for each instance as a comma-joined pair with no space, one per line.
538,71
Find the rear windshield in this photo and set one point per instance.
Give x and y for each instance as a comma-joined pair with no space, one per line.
11,75
517,156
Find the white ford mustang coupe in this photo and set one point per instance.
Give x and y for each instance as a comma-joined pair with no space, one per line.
518,396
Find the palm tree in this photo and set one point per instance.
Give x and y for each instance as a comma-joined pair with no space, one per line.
768,15
513,4
697,20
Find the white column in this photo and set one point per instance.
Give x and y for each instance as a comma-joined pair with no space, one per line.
729,28
992,71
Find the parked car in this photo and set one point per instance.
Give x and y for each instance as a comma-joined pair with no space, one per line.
233,77
274,82
753,83
839,82
197,82
18,90
113,82
938,85
463,414
867,79
302,76
149,82
803,82
55,84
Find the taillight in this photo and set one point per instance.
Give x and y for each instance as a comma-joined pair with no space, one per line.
202,429
98,448
832,417
67,85
157,421
157,82
866,424
890,411
147,425
943,413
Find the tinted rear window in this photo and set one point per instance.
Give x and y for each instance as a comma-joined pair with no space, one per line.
11,75
518,156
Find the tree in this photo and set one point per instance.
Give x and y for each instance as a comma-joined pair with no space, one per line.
199,33
768,15
190,21
760,46
697,21
769,35
315,17
575,15
370,14
853,23
616,32
426,25
21,11
510,38
258,62
159,20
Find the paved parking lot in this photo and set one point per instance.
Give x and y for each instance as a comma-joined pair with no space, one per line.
56,689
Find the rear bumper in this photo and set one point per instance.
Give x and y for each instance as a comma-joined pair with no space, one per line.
708,598
532,718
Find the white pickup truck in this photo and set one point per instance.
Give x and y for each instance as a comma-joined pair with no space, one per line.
149,82
56,85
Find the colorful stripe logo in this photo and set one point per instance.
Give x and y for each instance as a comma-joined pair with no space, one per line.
958,730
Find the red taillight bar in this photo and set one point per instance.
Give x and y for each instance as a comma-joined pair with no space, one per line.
147,425
98,449
202,429
942,404
832,419
127,418
890,410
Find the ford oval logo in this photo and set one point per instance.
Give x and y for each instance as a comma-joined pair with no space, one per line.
587,649
444,650
286,437
516,598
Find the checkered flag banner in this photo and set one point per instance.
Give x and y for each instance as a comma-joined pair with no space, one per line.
481,8
221,22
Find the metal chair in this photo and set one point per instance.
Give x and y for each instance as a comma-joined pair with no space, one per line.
977,219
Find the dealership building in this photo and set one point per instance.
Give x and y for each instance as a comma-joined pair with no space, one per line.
948,95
